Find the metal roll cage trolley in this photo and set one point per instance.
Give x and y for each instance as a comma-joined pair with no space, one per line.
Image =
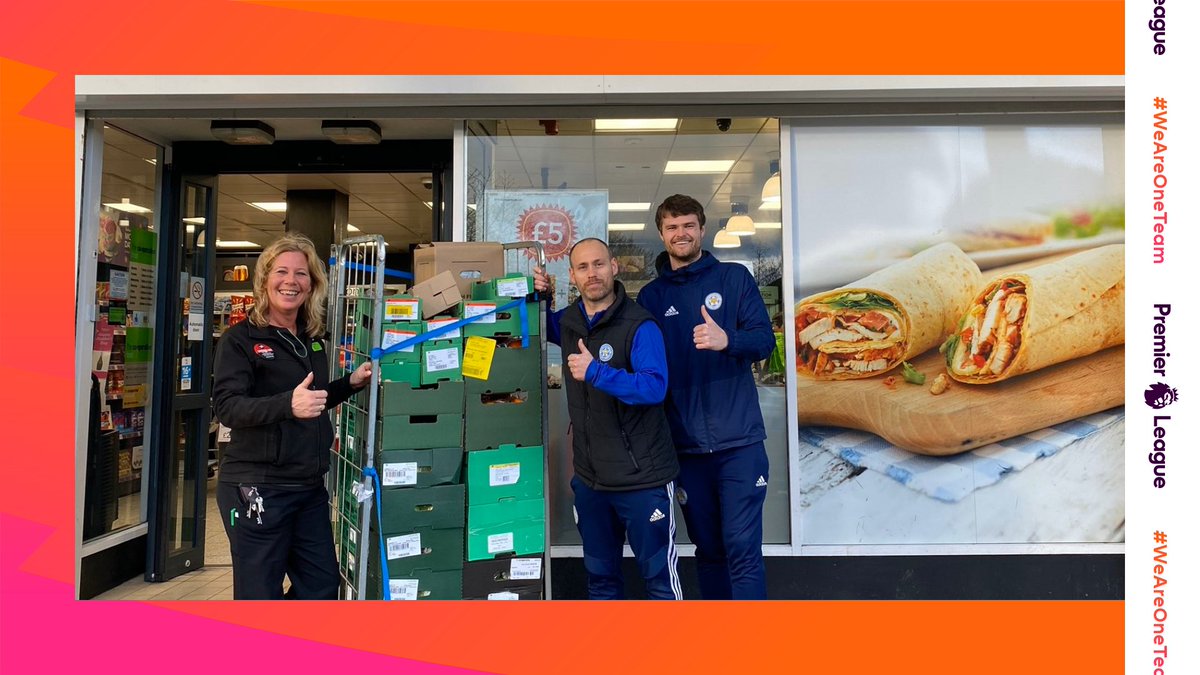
358,272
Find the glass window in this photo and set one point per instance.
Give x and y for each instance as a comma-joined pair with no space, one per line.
559,181
122,340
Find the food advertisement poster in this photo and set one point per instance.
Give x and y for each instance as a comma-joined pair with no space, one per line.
959,337
556,218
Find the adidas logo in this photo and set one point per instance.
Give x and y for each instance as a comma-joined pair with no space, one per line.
656,516
671,311
762,482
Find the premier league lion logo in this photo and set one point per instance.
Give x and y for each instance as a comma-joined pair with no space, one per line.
1159,396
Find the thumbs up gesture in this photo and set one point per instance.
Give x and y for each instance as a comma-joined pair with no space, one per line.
709,335
578,363
307,403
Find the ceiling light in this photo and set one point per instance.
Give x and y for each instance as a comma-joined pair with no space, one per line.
198,220
352,132
768,226
740,224
723,239
191,229
221,243
351,228
270,207
629,206
637,125
726,240
127,207
626,227
242,132
152,162
428,205
699,166
770,191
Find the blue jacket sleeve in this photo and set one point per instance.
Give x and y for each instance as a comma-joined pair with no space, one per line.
753,338
553,334
647,384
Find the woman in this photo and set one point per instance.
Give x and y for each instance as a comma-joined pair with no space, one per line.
272,389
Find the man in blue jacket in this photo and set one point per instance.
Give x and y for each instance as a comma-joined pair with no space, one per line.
625,463
715,326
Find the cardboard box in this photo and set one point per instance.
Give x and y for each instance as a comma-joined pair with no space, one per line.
420,585
512,369
422,548
409,432
406,510
441,360
493,419
437,294
396,333
402,398
513,527
507,473
499,324
512,578
419,468
467,262
398,370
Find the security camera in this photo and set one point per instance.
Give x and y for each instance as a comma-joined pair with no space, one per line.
427,183
723,123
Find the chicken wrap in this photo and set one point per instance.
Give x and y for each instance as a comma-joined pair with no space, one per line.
871,325
1033,318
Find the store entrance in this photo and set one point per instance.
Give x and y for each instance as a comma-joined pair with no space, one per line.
220,223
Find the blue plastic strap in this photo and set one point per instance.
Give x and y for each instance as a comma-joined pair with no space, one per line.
369,472
377,353
369,268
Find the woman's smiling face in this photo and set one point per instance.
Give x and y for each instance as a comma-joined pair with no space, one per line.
289,284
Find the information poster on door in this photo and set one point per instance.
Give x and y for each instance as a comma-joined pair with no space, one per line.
555,218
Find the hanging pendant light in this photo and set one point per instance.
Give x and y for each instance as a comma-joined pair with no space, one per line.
740,224
725,239
771,199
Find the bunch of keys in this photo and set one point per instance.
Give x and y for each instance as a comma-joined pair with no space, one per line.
255,510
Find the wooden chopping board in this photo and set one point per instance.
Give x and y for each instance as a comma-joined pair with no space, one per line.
966,416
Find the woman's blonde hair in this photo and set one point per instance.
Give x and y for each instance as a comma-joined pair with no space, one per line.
314,307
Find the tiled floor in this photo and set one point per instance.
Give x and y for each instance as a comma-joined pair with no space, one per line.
214,581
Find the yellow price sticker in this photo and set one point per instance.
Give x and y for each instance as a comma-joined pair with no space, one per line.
477,357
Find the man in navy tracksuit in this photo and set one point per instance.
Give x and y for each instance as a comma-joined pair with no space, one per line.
715,325
625,463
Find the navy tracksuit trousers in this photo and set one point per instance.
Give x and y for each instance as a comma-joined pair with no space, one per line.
722,495
648,517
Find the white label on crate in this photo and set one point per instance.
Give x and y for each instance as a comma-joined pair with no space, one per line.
471,310
512,288
349,593
525,568
350,560
354,536
499,543
504,474
404,546
351,448
441,359
395,337
403,589
503,595
401,310
400,473
435,324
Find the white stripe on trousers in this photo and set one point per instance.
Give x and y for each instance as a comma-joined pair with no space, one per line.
672,552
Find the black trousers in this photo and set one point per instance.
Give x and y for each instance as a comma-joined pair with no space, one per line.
294,538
